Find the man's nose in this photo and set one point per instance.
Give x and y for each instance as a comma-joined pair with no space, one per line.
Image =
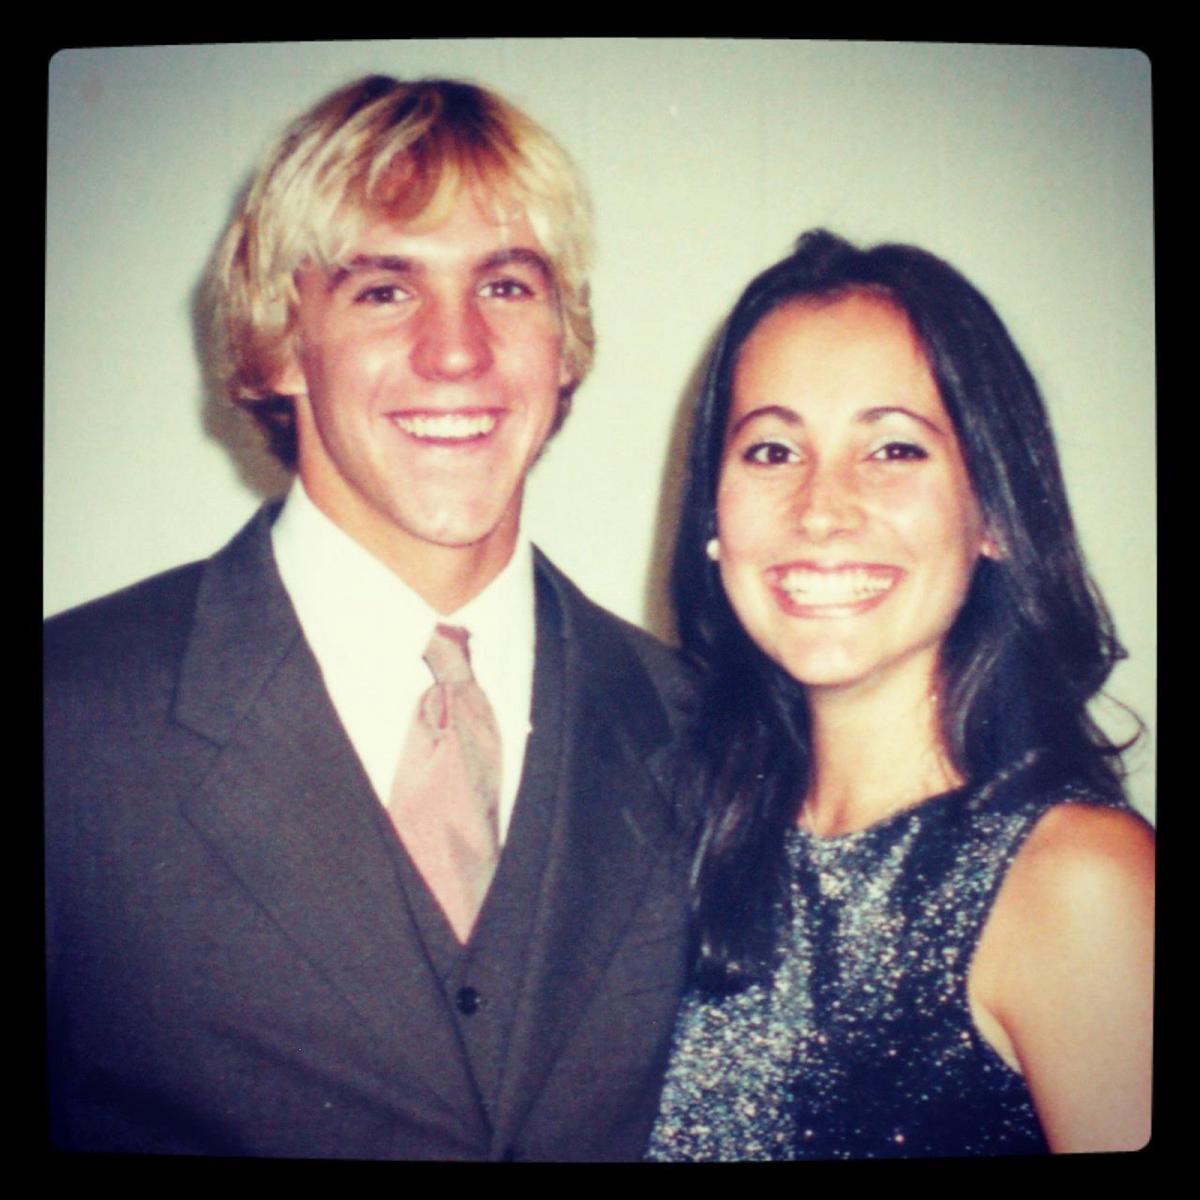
452,340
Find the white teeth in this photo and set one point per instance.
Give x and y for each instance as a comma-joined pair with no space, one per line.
834,587
448,426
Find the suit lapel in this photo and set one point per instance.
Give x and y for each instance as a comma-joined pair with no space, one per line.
289,809
611,819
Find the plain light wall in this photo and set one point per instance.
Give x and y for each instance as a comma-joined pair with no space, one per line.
1028,168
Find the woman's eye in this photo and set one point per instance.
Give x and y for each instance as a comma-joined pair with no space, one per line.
769,454
900,452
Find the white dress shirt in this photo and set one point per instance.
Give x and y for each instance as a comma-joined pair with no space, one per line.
368,631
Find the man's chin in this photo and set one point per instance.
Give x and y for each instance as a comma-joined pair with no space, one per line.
463,531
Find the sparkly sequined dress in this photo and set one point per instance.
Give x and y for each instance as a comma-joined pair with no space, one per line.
862,1043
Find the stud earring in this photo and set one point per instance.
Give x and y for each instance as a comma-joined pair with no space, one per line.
713,549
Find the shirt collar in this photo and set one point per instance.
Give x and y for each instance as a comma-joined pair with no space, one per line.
353,607
340,589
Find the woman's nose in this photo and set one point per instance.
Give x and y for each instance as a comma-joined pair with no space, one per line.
827,503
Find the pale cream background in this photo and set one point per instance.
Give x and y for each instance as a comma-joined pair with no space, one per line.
1028,168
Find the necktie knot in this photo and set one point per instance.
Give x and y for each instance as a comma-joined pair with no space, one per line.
447,655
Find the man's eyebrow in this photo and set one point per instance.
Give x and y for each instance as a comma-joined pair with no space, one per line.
397,264
371,262
519,256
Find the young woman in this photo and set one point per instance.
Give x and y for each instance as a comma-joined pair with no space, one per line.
923,908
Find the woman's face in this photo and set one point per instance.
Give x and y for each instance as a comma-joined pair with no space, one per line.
847,524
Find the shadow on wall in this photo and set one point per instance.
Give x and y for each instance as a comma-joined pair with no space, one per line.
257,468
657,610
222,420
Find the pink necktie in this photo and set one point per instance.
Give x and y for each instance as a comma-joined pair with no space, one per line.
446,791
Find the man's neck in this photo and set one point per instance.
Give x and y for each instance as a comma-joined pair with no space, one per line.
445,577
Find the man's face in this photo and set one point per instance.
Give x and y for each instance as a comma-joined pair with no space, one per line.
427,375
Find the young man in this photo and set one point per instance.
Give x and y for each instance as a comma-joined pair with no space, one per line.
360,836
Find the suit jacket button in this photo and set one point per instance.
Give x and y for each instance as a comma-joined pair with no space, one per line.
467,1001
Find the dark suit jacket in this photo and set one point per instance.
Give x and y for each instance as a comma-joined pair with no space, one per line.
234,967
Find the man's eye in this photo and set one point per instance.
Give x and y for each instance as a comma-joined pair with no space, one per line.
506,289
381,293
769,454
900,452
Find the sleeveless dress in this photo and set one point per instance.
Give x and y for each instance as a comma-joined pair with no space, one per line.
862,1045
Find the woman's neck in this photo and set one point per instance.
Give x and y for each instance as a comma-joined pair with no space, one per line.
875,753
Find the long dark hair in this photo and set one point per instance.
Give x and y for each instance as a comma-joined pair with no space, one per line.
1031,646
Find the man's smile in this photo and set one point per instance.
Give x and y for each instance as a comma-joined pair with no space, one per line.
447,428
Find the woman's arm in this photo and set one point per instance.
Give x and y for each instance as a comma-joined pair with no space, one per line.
1063,979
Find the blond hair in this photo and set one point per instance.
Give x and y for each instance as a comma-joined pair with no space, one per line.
381,147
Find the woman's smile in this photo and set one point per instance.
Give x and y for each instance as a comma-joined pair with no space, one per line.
842,590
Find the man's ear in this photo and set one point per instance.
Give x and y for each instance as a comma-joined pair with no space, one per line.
289,379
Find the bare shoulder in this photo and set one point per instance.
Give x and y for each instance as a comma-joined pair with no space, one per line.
1062,984
1081,887
1082,863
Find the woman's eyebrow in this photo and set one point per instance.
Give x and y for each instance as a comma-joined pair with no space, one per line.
869,415
787,415
866,416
